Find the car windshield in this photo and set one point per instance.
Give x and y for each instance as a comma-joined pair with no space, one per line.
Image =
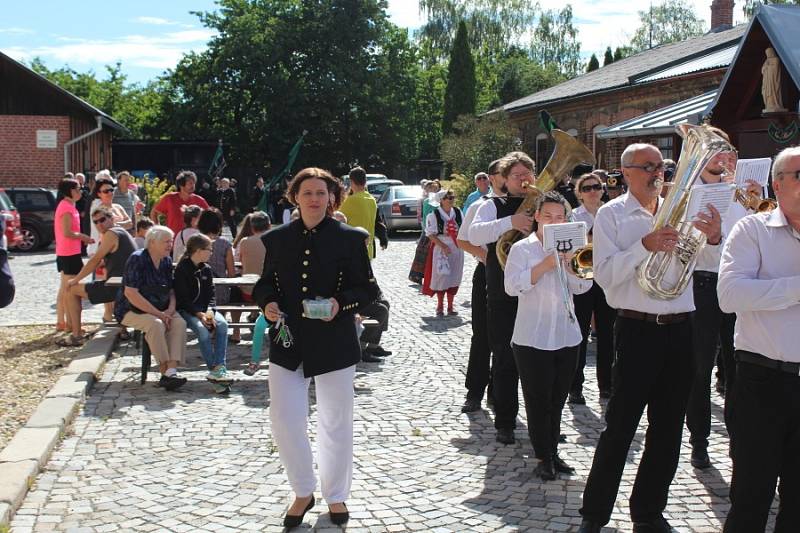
407,192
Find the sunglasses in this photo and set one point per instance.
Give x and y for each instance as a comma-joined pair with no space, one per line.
99,220
105,191
595,187
448,197
481,178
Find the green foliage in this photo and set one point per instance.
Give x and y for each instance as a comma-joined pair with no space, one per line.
517,75
669,22
555,41
460,185
476,141
459,96
154,189
594,64
608,58
622,52
750,6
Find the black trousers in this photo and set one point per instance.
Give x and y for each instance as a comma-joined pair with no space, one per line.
710,328
765,446
231,222
594,301
478,366
378,310
653,369
502,314
546,376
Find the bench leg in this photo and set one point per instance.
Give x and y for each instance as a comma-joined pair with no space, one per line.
145,360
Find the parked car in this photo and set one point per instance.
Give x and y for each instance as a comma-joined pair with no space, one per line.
398,207
370,177
37,207
13,232
377,187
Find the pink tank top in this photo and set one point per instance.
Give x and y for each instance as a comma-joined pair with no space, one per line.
64,245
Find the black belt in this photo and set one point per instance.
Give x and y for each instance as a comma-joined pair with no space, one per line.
757,359
702,274
661,320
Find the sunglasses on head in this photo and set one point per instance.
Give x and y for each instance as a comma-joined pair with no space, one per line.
595,187
105,191
100,220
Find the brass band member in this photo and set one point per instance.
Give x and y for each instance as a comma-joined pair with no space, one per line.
654,356
492,219
759,281
545,341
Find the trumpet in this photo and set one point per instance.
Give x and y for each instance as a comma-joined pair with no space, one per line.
752,201
581,262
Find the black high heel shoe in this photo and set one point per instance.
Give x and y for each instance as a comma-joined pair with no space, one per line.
290,520
339,518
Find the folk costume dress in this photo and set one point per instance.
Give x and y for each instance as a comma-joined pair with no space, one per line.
443,273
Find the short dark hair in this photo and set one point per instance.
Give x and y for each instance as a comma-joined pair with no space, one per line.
144,223
98,184
334,185
260,221
494,167
183,176
66,185
552,197
198,241
358,176
190,212
210,222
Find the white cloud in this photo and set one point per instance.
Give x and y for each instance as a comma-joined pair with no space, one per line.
16,31
158,21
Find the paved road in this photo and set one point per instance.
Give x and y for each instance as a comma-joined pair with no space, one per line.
140,459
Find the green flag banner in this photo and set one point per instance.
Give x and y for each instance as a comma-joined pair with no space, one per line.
286,171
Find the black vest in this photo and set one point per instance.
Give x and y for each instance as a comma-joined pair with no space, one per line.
495,288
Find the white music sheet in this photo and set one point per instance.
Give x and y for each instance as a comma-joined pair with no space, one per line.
753,169
564,237
720,195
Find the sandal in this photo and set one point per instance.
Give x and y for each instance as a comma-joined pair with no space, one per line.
62,326
251,369
70,341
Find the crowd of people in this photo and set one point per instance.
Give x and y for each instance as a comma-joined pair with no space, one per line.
532,315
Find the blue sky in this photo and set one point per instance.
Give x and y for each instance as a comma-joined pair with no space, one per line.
149,36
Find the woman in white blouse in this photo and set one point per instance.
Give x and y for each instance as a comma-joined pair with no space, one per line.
593,302
545,340
445,264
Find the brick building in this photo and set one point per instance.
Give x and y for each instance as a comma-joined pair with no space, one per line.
626,89
46,131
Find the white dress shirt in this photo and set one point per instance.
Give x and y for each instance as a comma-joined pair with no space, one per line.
581,214
710,262
542,321
618,250
759,280
469,216
485,228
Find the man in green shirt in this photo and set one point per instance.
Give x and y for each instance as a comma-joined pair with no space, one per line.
360,207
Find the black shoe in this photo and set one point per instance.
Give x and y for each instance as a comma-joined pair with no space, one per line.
562,438
378,351
489,400
561,466
545,469
172,383
605,394
588,526
291,520
367,357
339,518
505,436
577,398
700,457
470,406
658,525
720,386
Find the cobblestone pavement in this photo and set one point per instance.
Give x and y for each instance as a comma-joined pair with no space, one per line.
140,459
36,279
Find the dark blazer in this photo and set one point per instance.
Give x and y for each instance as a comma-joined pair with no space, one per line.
329,260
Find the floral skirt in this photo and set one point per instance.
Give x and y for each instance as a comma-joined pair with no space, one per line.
420,257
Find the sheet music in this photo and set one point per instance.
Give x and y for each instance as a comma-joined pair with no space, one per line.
565,237
753,169
720,195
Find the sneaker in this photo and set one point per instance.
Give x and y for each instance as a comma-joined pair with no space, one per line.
219,375
251,369
171,383
221,388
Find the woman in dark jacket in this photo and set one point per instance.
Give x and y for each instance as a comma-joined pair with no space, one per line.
314,259
194,295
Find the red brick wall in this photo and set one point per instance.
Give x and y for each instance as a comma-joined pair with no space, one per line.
21,163
721,13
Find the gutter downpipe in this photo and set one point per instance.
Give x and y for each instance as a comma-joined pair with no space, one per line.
69,143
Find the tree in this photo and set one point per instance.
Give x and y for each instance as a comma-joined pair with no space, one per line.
609,57
555,41
594,64
518,75
750,6
459,96
477,140
669,22
621,52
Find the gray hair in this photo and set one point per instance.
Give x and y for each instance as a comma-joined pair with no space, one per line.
631,149
157,233
782,158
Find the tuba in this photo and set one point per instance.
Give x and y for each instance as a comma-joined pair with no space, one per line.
569,153
665,275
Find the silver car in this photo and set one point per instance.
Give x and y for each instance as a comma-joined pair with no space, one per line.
377,187
398,207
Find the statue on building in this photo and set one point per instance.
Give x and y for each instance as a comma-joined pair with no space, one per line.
771,83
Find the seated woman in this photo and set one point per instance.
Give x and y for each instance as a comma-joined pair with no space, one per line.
545,341
148,304
194,294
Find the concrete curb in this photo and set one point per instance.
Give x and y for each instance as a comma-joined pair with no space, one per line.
31,446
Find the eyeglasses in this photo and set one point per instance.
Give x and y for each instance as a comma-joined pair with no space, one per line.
650,168
448,197
522,177
105,191
100,220
795,173
595,187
